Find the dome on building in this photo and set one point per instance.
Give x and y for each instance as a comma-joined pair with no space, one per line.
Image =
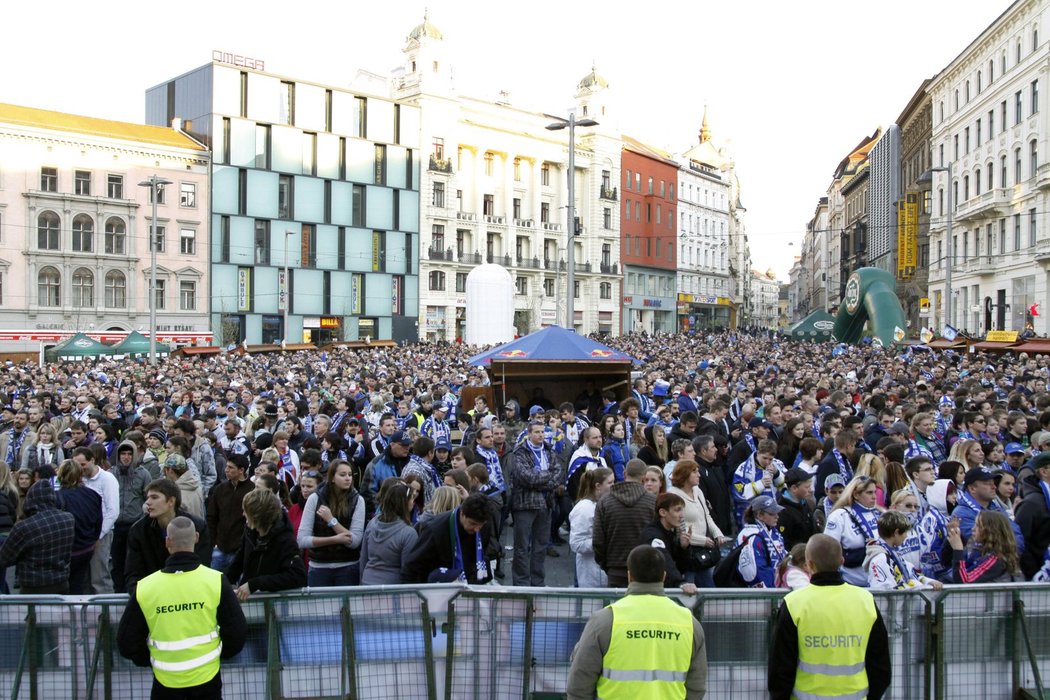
593,81
425,30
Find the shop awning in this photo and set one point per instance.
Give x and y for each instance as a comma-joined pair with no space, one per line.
945,344
993,346
206,350
1039,346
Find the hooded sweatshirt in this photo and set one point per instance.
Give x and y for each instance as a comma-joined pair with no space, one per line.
619,519
383,551
192,495
933,530
132,481
40,544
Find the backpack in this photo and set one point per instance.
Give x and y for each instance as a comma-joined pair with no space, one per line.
727,571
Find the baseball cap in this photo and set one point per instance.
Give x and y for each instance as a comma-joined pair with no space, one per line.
445,575
443,444
1014,448
765,504
833,480
233,405
271,410
400,437
535,410
177,462
1039,437
439,406
796,475
898,428
1041,460
660,387
977,474
759,422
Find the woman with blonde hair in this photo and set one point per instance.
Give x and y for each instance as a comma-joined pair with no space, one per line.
872,466
445,499
968,452
46,451
594,484
853,522
656,452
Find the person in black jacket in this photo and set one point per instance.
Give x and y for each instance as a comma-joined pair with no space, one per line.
85,505
666,535
796,520
713,483
146,550
269,558
456,542
1033,517
823,559
40,544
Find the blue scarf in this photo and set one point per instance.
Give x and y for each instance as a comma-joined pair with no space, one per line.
15,444
750,440
496,481
457,551
845,470
863,515
896,565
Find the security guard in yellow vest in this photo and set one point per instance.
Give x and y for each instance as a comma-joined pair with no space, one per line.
182,620
643,646
829,640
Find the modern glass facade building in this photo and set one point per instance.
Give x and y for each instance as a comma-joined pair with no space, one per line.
314,205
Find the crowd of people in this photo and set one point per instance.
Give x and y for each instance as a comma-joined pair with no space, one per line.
366,466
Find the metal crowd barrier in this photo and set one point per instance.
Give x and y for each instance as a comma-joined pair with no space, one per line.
453,641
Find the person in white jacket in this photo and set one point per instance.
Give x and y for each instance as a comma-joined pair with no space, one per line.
854,522
594,484
887,567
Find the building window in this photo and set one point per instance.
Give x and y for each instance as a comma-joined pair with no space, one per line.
159,236
188,241
605,290
439,148
437,237
1031,227
361,117
47,231
1002,116
461,282
489,204
1017,108
1017,232
576,289
439,195
521,285
607,218
158,298
1033,153
437,281
991,176
49,179
1002,235
1017,166
517,169
83,232
545,175
116,290
48,284
188,194
548,287
1034,108
357,208
188,296
285,187
262,242
262,146
545,212
955,140
1002,171
627,180
517,208
977,133
461,242
650,185
83,288
287,104
115,186
489,165
115,236
82,182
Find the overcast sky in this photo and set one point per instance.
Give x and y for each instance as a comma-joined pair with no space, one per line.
793,86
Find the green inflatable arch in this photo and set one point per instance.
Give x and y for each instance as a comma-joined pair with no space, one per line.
871,297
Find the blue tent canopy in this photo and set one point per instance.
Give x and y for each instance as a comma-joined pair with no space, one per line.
552,343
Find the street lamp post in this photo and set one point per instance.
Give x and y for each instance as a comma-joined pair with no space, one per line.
950,257
155,182
570,252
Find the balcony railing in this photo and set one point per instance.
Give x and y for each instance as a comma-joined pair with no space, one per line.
492,219
609,269
440,165
530,263
548,226
466,216
471,258
439,254
524,223
608,193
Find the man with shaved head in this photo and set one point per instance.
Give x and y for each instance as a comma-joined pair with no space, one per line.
181,620
829,638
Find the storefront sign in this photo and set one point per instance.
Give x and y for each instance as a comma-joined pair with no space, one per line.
548,314
330,322
237,60
1002,336
244,288
628,300
282,294
907,235
356,282
652,303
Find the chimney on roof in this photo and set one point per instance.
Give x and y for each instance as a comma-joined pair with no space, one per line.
176,123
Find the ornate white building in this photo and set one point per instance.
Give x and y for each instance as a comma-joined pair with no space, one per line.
990,126
765,299
74,226
706,293
494,187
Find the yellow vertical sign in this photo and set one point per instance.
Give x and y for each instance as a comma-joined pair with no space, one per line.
902,225
907,235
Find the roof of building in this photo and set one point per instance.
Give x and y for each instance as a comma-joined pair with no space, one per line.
593,80
427,29
636,146
92,126
858,155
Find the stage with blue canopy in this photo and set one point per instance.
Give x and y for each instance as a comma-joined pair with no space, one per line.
558,363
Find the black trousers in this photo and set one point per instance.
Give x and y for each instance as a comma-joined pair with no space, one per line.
212,690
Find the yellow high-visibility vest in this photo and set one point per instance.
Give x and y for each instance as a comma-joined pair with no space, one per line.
650,650
180,609
834,626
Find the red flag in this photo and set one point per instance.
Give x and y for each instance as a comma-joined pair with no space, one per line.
1033,310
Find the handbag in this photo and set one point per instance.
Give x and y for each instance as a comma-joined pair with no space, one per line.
701,558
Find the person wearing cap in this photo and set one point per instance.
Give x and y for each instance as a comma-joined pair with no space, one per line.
1015,457
764,547
435,426
851,656
796,521
758,429
1033,517
978,494
643,645
838,460
390,463
132,479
